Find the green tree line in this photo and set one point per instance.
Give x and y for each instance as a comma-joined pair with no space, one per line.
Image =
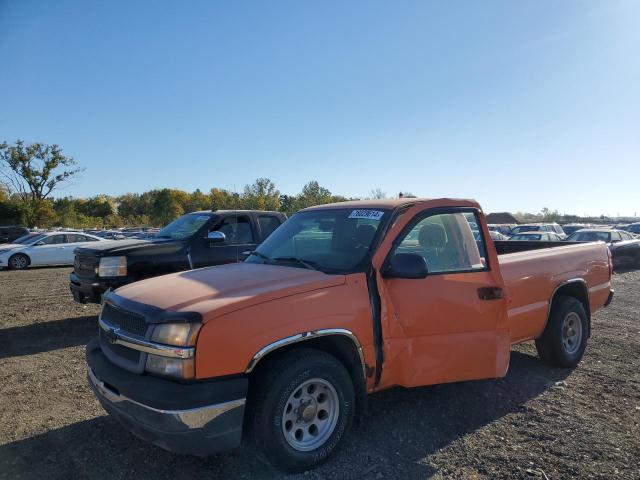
153,208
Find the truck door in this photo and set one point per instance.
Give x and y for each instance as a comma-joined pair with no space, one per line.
239,235
450,325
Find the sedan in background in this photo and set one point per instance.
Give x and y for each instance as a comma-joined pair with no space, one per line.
51,248
536,237
539,228
624,247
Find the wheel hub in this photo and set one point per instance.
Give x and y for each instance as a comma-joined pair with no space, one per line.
310,415
571,332
308,412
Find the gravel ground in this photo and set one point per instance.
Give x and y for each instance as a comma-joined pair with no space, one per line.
535,423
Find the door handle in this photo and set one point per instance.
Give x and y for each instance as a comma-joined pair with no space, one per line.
490,293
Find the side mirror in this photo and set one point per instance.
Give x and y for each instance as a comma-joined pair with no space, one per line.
406,265
216,237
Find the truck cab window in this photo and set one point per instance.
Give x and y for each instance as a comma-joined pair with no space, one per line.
268,223
236,229
446,242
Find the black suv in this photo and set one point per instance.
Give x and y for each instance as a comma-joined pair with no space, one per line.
195,240
9,234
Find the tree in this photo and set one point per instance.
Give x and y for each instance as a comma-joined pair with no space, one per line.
313,194
377,194
35,171
261,195
198,201
168,205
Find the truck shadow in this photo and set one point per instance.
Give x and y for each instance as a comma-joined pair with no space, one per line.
47,336
402,428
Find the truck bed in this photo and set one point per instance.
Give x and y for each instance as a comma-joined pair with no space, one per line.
513,246
532,275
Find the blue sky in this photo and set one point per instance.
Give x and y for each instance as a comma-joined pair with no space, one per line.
519,105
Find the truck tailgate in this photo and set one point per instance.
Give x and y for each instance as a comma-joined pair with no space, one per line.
531,278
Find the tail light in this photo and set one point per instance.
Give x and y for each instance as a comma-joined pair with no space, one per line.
610,262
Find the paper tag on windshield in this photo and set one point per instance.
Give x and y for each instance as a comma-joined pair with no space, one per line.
368,214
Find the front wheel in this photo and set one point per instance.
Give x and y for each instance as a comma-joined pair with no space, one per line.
18,261
304,406
565,337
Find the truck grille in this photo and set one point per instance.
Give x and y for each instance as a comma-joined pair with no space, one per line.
127,321
128,354
130,324
85,265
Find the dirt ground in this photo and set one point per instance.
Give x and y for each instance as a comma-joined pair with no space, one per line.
535,423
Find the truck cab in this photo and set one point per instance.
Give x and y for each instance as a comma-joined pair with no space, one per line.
195,240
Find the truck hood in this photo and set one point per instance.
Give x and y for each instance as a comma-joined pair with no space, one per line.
124,247
215,291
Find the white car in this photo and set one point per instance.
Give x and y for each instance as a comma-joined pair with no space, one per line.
51,248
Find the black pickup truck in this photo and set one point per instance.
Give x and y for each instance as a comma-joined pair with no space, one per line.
195,240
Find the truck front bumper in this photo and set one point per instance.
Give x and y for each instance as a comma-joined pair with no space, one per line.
91,290
197,418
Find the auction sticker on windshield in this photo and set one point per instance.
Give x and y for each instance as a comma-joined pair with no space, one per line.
369,214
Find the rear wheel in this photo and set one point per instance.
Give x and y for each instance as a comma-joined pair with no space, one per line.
565,338
19,261
304,404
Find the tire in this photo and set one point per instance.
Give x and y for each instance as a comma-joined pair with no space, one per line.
18,261
279,417
564,340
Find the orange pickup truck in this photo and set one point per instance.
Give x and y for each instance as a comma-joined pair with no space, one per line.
340,301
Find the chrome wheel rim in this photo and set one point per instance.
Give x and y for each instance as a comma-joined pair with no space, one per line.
571,332
310,415
19,262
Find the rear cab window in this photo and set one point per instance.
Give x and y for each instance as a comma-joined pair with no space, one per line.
267,224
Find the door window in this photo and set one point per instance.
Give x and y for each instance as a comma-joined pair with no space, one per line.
53,240
236,229
268,223
74,238
446,242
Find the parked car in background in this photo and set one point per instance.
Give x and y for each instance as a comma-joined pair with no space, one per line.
495,235
195,240
538,227
624,247
503,228
569,228
633,228
51,248
536,237
342,300
8,234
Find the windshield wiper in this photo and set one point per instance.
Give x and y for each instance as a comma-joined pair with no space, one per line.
305,263
261,255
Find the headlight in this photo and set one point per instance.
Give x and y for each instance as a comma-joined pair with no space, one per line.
184,368
176,334
112,267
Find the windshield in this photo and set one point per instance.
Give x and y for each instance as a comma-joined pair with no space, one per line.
29,238
329,240
569,229
526,228
590,237
184,226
